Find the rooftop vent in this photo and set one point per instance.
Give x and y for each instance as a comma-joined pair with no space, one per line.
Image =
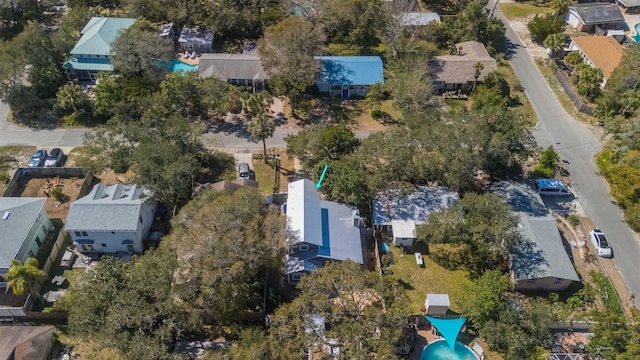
6,215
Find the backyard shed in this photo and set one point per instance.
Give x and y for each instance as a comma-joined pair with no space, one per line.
436,304
404,232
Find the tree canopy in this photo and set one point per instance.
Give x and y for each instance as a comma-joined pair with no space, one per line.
287,50
139,53
225,244
363,313
481,237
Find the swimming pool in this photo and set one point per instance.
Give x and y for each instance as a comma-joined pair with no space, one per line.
636,37
177,65
440,350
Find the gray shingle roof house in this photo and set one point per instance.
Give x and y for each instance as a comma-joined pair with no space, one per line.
587,16
195,38
541,261
24,226
111,219
237,69
629,6
403,211
457,72
26,342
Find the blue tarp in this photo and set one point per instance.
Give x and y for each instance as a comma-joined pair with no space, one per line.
449,328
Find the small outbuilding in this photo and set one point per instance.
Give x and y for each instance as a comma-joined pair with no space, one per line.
404,232
436,304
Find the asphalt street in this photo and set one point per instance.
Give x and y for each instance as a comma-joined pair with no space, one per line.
11,134
577,145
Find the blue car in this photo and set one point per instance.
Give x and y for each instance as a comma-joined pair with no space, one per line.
37,160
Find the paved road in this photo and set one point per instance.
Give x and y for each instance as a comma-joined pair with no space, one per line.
577,145
68,138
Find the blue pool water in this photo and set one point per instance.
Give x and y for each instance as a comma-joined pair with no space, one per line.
440,350
636,37
177,65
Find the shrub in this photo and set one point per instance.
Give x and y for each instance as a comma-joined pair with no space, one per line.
632,217
5,177
574,220
57,194
378,114
542,171
542,26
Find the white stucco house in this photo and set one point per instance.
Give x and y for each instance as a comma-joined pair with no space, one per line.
111,219
24,226
318,231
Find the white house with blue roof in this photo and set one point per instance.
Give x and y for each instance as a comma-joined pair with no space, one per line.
318,231
345,76
92,53
24,226
111,219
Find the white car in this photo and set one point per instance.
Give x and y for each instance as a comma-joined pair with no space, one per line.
600,242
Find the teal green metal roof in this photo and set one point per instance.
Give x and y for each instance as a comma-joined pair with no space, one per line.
79,63
99,34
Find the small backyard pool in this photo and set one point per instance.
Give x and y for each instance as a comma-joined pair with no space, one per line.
440,350
636,37
177,65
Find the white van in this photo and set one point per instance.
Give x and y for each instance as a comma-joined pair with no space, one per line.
552,187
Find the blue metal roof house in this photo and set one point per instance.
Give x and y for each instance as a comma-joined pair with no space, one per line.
345,76
93,51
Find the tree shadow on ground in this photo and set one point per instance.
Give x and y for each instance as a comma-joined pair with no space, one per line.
328,110
38,121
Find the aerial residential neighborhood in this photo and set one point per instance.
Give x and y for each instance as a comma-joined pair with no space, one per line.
319,179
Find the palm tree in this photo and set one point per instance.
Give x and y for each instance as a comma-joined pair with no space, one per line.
559,7
72,98
24,276
260,124
554,42
477,70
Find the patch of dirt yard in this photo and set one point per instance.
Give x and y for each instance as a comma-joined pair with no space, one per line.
70,187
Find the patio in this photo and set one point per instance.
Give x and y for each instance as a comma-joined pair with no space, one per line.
632,20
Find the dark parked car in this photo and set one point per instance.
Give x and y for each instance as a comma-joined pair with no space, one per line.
54,159
38,157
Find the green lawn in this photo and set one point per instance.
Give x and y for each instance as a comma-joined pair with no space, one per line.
432,278
264,176
522,9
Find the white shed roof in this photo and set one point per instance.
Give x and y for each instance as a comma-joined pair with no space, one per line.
437,300
403,228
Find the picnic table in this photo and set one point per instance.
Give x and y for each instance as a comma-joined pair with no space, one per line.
419,259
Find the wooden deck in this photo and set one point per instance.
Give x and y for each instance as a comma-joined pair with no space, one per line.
195,61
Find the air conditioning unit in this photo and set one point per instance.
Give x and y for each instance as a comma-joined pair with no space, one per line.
51,228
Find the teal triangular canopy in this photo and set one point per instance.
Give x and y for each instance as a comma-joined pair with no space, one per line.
449,328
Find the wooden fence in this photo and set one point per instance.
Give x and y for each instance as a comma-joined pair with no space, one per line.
575,98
